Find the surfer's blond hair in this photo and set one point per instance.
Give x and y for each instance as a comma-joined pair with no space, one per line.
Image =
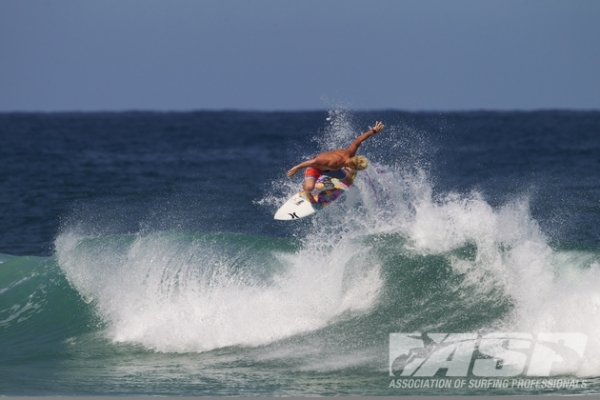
360,162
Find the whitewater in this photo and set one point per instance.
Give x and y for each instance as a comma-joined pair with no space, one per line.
187,288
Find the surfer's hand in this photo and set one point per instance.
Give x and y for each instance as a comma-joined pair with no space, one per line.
292,172
378,127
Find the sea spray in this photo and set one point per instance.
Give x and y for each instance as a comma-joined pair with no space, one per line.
172,292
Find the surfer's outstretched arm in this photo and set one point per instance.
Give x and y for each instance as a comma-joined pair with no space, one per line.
305,164
323,162
356,144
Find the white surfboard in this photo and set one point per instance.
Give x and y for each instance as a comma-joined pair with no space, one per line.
327,191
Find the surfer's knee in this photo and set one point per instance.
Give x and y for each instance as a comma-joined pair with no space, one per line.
309,184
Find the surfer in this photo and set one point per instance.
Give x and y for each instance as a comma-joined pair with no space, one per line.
341,163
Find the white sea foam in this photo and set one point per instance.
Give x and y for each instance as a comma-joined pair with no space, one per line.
171,294
552,290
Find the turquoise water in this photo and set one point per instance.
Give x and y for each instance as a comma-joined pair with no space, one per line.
154,266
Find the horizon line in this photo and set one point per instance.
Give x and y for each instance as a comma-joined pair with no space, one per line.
315,110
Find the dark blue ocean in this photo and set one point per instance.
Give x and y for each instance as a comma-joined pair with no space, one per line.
139,255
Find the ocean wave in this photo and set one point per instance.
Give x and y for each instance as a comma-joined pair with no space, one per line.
395,254
176,292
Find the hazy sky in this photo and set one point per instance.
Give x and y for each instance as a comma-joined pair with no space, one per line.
299,55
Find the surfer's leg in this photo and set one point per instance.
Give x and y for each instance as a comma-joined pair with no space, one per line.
308,186
310,178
